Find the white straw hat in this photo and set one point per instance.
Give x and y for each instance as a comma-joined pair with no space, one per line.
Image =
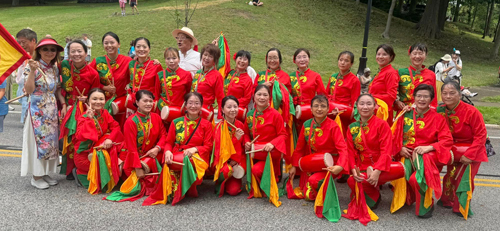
188,32
446,57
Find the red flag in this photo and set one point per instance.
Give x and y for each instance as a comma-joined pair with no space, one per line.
12,55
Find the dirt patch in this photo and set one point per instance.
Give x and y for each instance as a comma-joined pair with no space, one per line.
200,5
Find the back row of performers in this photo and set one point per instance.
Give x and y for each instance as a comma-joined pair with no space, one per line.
135,137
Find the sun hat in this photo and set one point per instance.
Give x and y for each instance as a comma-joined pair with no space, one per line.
367,70
446,57
188,32
49,41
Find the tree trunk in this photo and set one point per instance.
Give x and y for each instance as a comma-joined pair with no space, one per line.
496,31
15,2
428,25
474,17
413,5
443,7
457,10
389,18
399,6
469,14
497,45
488,20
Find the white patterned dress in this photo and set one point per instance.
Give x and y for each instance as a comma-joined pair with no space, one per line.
41,128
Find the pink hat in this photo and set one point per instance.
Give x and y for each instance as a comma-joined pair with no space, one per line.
49,41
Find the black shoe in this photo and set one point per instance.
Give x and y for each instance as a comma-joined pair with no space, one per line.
428,214
440,203
77,182
70,177
375,206
343,179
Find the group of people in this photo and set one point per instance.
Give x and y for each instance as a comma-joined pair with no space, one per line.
155,129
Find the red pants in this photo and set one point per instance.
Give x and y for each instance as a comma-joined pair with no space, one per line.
372,194
450,185
82,163
258,167
310,184
228,184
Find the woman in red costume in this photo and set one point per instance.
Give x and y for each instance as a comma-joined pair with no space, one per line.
305,82
145,136
369,143
422,133
344,87
113,72
238,83
174,81
143,73
266,129
77,80
319,135
208,81
96,136
225,159
414,75
190,136
467,127
384,86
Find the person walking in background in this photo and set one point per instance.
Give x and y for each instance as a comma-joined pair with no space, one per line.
4,109
441,71
133,5
88,43
122,6
456,64
66,49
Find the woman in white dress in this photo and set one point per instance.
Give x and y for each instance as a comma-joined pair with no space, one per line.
40,138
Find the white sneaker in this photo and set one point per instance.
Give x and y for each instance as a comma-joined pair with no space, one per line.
49,180
39,184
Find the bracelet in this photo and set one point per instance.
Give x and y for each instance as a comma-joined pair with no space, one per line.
63,104
159,148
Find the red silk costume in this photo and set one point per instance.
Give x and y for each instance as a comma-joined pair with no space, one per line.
326,137
211,86
88,134
408,81
305,86
119,72
268,75
345,90
384,86
467,126
174,85
143,77
426,129
231,186
373,148
239,85
270,126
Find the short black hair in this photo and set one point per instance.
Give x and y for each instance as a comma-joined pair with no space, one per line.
95,89
297,52
225,99
388,49
424,87
113,35
452,83
418,46
366,94
320,98
142,38
260,86
28,34
197,94
79,42
243,53
351,55
277,50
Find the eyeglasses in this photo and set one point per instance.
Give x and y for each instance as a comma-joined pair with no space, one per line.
45,49
273,58
193,103
316,106
422,96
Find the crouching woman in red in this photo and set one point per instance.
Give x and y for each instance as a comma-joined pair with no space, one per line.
97,136
421,139
228,156
469,133
145,136
189,137
319,137
267,130
369,143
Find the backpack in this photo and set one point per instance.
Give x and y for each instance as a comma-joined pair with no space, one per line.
433,67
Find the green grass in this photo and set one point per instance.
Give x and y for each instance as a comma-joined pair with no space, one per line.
491,115
491,99
325,27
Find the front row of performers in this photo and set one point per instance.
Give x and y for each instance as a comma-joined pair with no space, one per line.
166,165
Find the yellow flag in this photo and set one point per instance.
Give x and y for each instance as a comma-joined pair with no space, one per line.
200,166
129,183
111,183
93,174
226,149
383,110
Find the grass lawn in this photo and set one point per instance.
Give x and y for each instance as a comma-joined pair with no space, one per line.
492,99
325,27
491,115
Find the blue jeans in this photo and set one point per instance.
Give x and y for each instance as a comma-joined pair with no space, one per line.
2,117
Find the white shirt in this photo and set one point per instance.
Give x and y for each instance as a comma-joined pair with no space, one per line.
439,70
89,44
454,71
190,62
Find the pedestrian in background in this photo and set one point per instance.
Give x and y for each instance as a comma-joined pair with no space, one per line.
88,43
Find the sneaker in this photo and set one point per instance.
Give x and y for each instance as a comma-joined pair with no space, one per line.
11,108
473,94
39,184
49,180
77,182
70,177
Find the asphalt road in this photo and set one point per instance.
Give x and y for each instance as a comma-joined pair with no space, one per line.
67,206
